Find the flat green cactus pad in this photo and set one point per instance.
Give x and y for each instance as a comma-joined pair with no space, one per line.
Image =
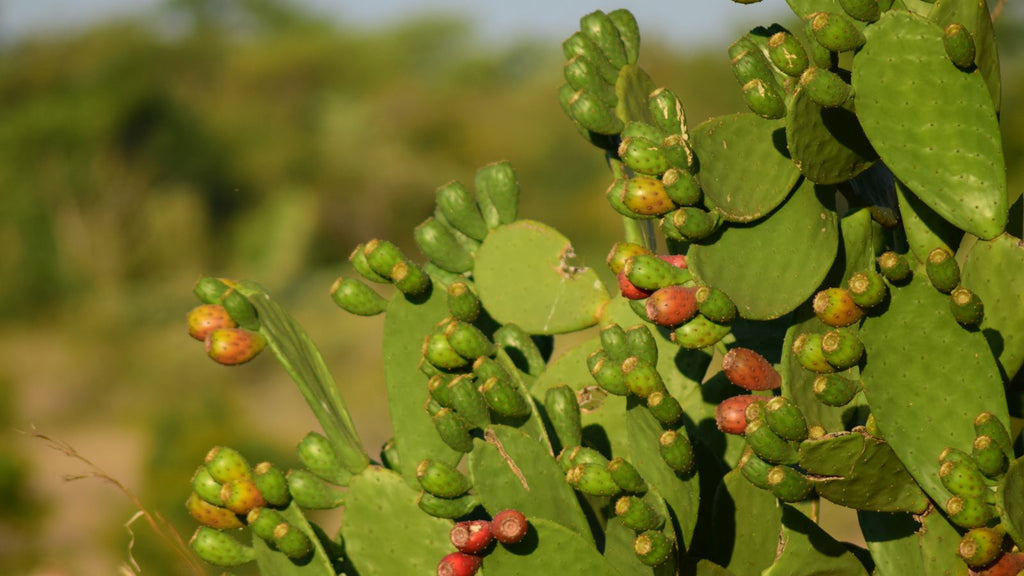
861,472
548,548
827,144
746,524
770,268
271,561
993,270
631,89
926,379
526,274
379,508
925,229
512,470
892,539
1011,501
805,549
910,97
938,541
745,169
618,550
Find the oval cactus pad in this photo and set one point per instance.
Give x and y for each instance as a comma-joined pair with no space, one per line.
548,548
911,100
827,144
526,274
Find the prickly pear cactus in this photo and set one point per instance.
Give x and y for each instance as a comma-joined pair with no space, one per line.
818,297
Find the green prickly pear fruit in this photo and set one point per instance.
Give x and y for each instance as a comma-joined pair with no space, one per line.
966,307
432,407
807,349
629,33
472,536
653,547
447,507
969,512
382,256
509,526
867,289
942,269
768,445
894,267
592,479
682,187
210,515
204,485
648,272
676,450
210,290
467,340
582,74
667,111
749,370
989,457
485,368
613,342
463,303
439,352
311,492
785,419
219,548
835,390
638,129
609,376
497,191
638,515
262,521
316,454
580,44
787,54
715,305
453,430
355,297
467,401
458,207
680,156
593,114
205,318
842,348
629,290
986,424
959,45
240,309
361,265
410,279
504,398
863,10
563,411
459,564
788,484
577,455
241,495
731,413
836,31
626,476
621,252
690,223
982,546
818,54
962,477
226,464
272,483
440,246
672,305
643,156
825,87
748,62
437,388
602,32
642,378
699,332
664,407
646,196
835,307
754,469
234,346
765,99
442,480
292,542
641,344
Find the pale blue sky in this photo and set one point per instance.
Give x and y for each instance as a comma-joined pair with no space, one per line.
683,22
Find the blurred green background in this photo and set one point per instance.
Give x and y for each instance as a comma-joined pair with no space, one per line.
250,140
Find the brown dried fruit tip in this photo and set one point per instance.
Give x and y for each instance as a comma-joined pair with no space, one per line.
749,370
731,413
458,564
509,526
472,536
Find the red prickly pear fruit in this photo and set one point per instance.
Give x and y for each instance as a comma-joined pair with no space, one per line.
459,564
1009,564
233,346
672,305
205,318
835,307
509,526
731,413
677,260
472,536
629,290
749,370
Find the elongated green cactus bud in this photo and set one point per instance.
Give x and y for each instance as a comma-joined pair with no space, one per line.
629,33
681,187
715,305
410,279
980,547
787,54
262,521
292,542
447,507
453,430
563,411
460,210
580,44
768,445
439,352
613,342
842,348
511,336
382,256
311,492
210,290
210,515
835,390
272,483
679,154
640,129
664,407
966,307
962,477
583,74
749,63
626,476
316,454
969,512
361,265
765,99
219,548
959,45
581,455
667,111
653,547
355,297
442,480
437,388
504,398
807,349
863,10
818,54
646,196
593,114
785,419
643,156
986,424
602,32
638,515
649,272
698,333
206,486
690,224
497,193
463,303
467,340
642,378
609,376
754,469
240,310
942,269
440,246
640,342
835,307
676,450
485,368
226,464
468,402
592,479
825,87
894,267
989,457
867,289
787,484
836,31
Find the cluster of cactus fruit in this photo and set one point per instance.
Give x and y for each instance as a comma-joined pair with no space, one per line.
805,322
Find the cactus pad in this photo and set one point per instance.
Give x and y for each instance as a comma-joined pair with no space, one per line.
993,270
746,524
271,561
548,547
827,144
1011,501
804,548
